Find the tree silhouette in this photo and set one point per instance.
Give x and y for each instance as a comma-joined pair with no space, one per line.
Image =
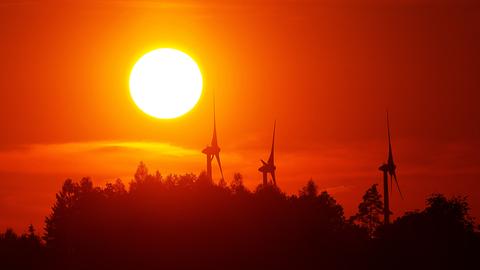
310,190
370,211
115,189
439,237
21,252
237,185
57,223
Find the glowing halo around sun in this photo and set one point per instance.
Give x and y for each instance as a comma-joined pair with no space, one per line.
165,83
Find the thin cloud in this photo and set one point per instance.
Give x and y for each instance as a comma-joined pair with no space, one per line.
89,157
154,4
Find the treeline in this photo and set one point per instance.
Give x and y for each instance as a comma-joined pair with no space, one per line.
187,222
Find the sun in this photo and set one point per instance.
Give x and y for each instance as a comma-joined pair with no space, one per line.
166,83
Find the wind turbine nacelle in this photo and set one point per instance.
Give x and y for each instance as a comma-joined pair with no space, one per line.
267,168
211,150
215,149
383,168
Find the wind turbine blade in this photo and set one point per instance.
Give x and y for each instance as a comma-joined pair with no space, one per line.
217,156
214,138
390,152
271,159
273,178
398,186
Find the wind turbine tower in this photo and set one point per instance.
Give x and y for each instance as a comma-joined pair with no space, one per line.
213,150
388,169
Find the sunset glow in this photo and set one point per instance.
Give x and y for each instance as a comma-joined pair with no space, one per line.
201,109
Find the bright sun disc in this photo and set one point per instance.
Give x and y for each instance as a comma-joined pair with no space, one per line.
165,83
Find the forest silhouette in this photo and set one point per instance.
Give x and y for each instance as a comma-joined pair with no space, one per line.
189,222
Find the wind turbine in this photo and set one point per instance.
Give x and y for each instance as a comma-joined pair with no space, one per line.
269,166
388,168
213,150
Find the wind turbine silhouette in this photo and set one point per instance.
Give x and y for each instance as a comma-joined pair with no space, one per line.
269,166
213,150
388,168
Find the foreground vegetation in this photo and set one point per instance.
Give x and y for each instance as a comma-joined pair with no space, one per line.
187,222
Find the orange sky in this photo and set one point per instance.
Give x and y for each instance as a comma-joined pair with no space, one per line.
325,70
